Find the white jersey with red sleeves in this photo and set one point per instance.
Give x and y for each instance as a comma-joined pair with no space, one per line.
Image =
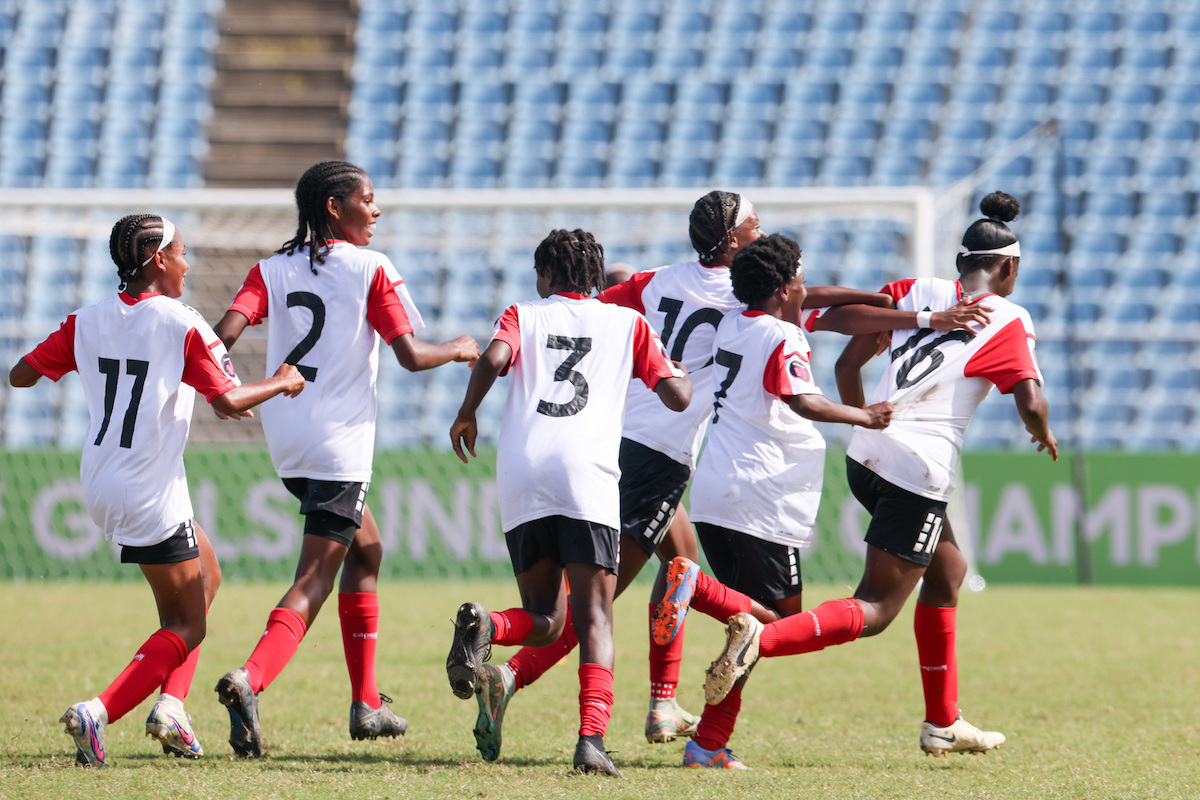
328,325
762,469
141,362
684,302
936,380
572,360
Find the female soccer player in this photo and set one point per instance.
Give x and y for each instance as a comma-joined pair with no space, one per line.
142,356
329,301
571,358
904,475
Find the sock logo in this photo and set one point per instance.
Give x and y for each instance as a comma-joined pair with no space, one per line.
364,636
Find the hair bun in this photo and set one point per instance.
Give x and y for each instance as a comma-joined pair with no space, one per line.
1000,206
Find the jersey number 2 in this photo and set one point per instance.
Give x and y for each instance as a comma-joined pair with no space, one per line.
312,303
579,348
111,369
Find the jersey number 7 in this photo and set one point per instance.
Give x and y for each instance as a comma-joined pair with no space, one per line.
111,369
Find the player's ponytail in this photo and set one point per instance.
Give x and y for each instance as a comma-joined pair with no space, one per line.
990,240
131,238
712,221
319,183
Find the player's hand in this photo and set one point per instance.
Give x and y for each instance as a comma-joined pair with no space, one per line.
1048,444
964,316
883,343
468,350
680,368
463,432
880,415
293,380
235,416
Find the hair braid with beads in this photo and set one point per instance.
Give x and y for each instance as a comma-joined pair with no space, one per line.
574,260
764,266
132,237
711,223
319,183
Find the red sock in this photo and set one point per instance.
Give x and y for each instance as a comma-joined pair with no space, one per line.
716,723
179,680
832,622
275,649
664,664
935,627
512,626
162,652
359,615
531,663
595,699
717,600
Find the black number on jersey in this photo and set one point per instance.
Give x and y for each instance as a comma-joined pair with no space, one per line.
111,369
927,354
700,316
733,363
317,307
579,348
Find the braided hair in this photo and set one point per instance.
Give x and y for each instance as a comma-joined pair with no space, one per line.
990,233
131,239
319,183
572,259
712,221
763,266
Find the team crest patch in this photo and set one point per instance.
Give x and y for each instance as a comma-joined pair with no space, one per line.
800,371
227,365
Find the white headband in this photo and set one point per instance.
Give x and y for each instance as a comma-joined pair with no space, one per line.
743,211
168,237
1013,249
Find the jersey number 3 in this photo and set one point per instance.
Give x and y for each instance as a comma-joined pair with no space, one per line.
578,347
111,369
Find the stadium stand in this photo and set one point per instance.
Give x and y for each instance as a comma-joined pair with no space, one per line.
676,93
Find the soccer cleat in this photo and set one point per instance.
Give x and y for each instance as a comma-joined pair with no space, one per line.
669,614
172,727
234,692
667,720
958,737
473,632
371,723
695,756
497,685
741,651
85,723
590,756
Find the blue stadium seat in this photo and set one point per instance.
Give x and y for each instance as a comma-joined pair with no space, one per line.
791,171
633,172
700,100
591,99
521,172
581,172
683,170
473,171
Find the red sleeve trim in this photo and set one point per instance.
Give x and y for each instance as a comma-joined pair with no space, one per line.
55,356
809,319
650,362
251,299
201,371
1005,359
628,293
899,289
385,312
508,330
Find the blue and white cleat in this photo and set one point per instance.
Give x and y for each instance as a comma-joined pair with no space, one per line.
695,756
172,727
85,722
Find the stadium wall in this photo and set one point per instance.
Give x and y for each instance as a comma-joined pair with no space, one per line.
1135,523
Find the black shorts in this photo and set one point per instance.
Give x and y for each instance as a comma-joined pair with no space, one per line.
562,540
904,524
766,571
652,485
179,546
331,509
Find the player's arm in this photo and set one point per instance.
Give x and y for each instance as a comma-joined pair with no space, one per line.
1035,413
826,296
860,318
819,408
848,370
416,355
230,327
286,380
487,368
22,375
676,392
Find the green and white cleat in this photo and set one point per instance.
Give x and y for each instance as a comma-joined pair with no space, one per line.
497,685
666,721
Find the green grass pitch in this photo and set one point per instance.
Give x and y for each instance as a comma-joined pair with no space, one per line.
1098,691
